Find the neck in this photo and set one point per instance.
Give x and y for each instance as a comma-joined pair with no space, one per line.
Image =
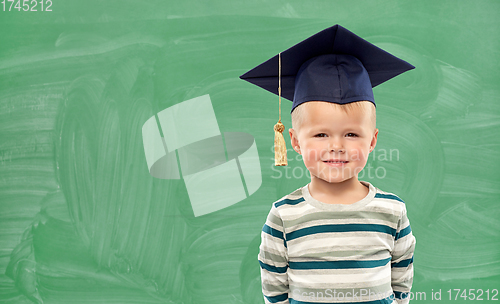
348,190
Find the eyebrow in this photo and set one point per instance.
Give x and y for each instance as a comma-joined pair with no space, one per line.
321,127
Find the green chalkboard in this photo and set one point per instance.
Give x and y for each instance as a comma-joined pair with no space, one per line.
85,215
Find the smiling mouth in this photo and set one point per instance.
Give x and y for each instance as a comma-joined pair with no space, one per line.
336,161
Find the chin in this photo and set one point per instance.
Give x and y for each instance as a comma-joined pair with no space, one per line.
336,180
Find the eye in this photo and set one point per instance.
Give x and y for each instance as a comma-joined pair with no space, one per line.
351,135
320,135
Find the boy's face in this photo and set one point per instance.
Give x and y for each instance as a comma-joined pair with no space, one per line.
334,145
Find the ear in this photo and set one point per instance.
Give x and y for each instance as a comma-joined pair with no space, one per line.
294,140
373,143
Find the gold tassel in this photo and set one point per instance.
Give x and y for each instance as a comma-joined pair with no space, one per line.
279,142
279,145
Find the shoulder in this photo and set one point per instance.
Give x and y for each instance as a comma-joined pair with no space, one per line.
280,206
294,198
383,195
390,200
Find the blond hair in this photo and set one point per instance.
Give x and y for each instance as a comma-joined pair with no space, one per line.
362,106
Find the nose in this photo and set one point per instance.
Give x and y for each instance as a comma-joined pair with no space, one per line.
336,146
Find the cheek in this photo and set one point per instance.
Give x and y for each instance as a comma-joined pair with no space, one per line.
312,152
359,153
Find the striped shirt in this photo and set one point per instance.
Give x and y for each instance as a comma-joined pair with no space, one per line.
312,252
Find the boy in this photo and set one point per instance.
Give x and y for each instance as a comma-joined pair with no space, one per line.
337,239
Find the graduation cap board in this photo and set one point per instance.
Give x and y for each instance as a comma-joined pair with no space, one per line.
334,65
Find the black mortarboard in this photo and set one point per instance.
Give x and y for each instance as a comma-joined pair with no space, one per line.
334,65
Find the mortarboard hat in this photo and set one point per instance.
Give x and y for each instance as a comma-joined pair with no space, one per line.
334,65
